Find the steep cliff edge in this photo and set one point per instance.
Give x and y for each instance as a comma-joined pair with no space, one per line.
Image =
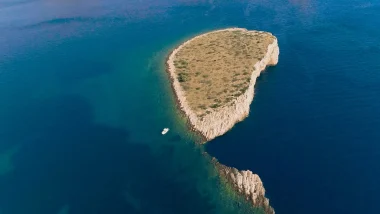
247,184
218,121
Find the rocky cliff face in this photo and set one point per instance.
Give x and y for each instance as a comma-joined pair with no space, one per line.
248,185
219,122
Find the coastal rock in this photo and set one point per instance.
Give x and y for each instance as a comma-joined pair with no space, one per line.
247,184
220,121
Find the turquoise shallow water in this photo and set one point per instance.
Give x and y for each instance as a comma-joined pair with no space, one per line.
85,97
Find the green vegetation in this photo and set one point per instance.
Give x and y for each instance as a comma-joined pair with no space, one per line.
216,68
183,77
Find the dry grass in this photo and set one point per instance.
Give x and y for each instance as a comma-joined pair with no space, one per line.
215,69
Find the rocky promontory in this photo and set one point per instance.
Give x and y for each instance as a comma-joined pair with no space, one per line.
247,184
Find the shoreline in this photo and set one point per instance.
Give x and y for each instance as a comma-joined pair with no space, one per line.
178,102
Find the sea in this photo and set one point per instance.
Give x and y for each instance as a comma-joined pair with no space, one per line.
84,97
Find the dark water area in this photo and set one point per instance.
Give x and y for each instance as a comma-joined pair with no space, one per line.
313,131
84,97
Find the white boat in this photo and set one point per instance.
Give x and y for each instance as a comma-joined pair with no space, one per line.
165,131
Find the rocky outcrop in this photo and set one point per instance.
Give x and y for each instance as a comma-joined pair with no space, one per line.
219,122
247,184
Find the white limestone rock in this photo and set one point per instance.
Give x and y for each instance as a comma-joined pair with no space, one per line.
247,184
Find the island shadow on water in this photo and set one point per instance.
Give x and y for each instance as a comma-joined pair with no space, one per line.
67,162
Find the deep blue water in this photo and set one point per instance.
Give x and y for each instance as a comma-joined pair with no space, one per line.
84,96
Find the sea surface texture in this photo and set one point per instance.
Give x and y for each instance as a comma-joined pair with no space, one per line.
84,97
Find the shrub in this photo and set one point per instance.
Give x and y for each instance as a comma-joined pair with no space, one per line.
215,105
237,95
183,62
202,107
183,77
242,90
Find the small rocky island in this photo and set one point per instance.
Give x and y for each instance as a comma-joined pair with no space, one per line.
213,77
